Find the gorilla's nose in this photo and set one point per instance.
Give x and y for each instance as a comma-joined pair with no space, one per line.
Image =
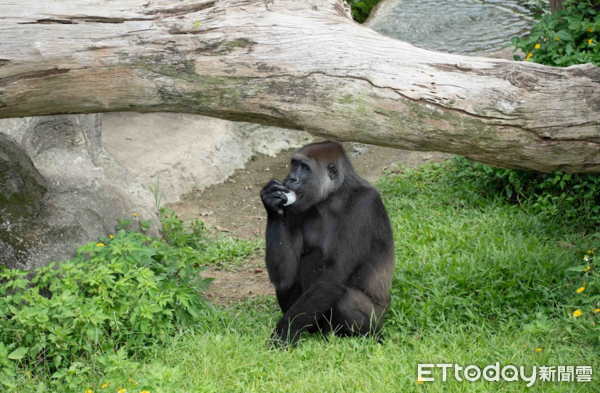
291,180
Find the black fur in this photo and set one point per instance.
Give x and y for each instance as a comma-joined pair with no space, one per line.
330,255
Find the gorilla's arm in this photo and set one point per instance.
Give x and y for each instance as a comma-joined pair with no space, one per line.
280,255
280,258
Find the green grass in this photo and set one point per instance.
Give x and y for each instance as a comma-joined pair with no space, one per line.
230,253
230,354
461,263
476,282
222,251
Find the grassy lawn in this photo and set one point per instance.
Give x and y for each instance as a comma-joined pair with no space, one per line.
477,281
474,284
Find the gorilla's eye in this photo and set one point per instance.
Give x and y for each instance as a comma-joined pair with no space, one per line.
332,170
305,167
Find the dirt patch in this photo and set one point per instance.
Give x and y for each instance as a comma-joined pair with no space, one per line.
246,282
235,207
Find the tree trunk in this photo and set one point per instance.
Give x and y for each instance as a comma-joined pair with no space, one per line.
556,5
297,64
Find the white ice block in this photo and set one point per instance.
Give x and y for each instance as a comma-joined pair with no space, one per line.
291,198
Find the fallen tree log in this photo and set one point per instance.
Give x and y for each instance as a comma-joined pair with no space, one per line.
296,64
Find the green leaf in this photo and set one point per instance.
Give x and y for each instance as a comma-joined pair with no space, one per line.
19,353
569,49
564,35
575,25
57,360
8,371
579,268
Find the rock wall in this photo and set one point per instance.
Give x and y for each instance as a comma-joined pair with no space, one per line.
189,151
60,189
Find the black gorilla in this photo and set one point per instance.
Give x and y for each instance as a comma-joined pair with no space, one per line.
330,254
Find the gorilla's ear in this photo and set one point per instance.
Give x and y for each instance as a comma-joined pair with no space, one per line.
332,171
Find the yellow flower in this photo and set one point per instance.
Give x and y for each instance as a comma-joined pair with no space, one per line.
557,39
111,236
590,41
121,390
587,269
100,245
586,258
537,46
590,251
591,29
577,313
132,381
596,311
89,391
528,56
579,290
144,391
135,214
104,386
539,349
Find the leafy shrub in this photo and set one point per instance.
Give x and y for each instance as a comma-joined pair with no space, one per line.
567,37
118,294
178,234
225,250
575,198
361,9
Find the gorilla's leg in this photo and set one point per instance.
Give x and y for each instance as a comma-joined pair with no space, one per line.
356,314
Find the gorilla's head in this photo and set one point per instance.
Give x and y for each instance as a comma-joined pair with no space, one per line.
317,170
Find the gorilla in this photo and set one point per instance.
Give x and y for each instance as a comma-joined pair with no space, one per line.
329,247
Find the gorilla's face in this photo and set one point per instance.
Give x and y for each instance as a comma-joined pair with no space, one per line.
301,180
311,180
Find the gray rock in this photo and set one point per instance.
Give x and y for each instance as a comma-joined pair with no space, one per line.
186,152
60,189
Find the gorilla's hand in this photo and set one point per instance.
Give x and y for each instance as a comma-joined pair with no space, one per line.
273,198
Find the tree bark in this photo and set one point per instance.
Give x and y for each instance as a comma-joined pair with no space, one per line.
297,64
556,5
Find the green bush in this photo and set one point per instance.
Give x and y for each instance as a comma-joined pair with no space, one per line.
567,37
116,295
575,198
224,251
361,9
179,234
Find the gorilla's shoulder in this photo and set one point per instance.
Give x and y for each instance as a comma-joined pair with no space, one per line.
365,197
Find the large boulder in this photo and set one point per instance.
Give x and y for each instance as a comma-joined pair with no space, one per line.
182,152
59,189
22,189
